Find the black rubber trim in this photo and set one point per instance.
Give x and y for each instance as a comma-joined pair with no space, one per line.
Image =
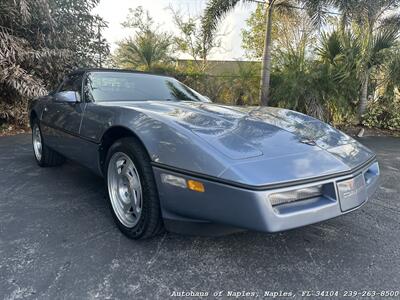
262,187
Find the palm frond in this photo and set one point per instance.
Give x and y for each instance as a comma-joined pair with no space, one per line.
384,39
39,42
10,45
316,9
23,83
215,12
144,50
24,10
286,8
392,21
392,69
331,47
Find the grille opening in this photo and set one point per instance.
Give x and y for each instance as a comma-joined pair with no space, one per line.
371,173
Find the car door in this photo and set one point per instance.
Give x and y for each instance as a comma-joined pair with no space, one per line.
62,118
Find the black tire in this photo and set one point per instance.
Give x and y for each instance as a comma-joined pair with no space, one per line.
49,158
150,222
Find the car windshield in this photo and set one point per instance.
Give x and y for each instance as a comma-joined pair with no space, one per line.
124,86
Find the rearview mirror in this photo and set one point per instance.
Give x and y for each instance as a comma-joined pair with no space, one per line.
67,96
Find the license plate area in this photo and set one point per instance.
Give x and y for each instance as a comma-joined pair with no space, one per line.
352,192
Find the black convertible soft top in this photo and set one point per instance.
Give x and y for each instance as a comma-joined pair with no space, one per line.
84,70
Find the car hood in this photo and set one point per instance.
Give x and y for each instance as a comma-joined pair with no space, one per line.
257,139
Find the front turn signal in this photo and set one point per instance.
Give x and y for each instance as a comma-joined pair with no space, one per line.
195,186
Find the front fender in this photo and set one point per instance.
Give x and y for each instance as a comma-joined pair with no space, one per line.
166,142
171,145
35,109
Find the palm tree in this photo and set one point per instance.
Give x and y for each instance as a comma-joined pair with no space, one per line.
39,42
144,51
147,47
242,83
374,57
377,32
217,9
392,73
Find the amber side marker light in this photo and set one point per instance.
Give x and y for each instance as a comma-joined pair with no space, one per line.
195,186
181,182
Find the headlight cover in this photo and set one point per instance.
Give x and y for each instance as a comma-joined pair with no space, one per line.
295,195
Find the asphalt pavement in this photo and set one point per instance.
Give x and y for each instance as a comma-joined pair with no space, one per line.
58,241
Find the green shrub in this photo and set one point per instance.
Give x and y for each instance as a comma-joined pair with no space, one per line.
383,114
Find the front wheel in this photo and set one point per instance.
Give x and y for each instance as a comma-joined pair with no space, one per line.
132,190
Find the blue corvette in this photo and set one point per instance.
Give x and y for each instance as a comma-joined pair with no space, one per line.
172,159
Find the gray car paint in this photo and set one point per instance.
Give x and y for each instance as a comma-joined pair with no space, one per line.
250,209
254,146
251,145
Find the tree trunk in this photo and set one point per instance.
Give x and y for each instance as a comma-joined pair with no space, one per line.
364,96
266,62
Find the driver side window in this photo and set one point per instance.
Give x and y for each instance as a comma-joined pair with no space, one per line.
72,83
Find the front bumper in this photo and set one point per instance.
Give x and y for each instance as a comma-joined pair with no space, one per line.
251,209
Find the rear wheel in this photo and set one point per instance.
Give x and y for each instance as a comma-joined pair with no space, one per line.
132,190
45,157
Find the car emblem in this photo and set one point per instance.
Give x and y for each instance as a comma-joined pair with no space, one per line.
308,142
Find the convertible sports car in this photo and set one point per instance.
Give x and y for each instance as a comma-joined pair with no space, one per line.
172,159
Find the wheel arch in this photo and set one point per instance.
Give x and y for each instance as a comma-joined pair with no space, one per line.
110,136
32,116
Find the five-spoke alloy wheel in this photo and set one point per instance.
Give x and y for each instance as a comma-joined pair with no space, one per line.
125,189
132,189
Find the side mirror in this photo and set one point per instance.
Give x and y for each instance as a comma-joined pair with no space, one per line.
67,97
208,99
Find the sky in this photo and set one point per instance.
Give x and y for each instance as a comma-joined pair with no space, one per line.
115,12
